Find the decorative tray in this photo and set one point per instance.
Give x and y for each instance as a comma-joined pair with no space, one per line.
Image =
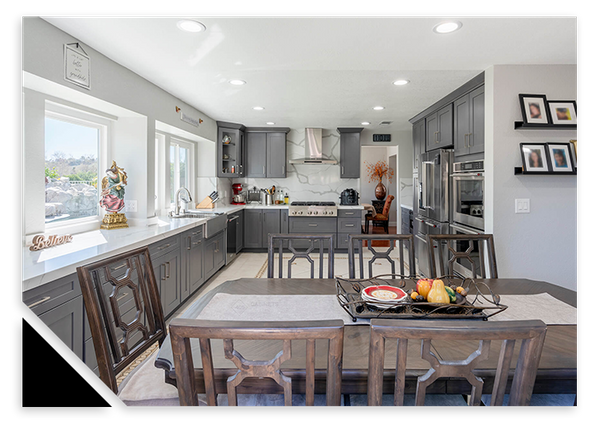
477,305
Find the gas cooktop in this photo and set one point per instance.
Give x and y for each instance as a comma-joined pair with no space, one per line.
313,203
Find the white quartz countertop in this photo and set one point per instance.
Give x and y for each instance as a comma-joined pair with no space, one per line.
40,267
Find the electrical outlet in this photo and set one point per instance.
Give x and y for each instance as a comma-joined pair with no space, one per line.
522,205
131,206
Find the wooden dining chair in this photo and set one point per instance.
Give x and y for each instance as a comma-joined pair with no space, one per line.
356,243
531,333
290,242
380,219
183,330
123,308
469,249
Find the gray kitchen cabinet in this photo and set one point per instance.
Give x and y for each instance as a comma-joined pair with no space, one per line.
469,123
230,150
192,272
66,321
214,253
349,222
349,152
276,155
266,152
256,154
439,128
258,224
419,143
284,227
239,231
167,271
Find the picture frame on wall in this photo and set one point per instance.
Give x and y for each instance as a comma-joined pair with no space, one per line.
534,158
560,157
563,112
534,109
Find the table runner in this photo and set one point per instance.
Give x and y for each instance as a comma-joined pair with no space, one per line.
326,307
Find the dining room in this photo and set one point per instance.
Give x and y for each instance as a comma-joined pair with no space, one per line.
164,265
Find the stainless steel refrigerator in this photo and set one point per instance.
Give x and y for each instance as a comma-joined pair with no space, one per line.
432,204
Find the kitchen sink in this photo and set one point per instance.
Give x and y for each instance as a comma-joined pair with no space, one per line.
216,221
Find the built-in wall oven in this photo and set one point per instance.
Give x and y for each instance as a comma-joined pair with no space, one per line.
467,194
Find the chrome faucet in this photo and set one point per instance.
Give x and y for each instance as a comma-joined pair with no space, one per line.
178,200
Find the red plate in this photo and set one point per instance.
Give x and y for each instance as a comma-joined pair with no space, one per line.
384,293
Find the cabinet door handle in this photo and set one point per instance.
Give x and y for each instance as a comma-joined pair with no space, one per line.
264,171
189,243
470,140
163,275
241,169
283,170
342,170
466,140
169,269
43,300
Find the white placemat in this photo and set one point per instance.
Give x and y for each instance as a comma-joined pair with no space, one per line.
538,306
326,307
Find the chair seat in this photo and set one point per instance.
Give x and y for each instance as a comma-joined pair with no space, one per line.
378,216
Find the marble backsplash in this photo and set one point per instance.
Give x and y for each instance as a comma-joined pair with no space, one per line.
308,182
406,192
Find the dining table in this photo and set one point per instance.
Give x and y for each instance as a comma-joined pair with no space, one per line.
557,370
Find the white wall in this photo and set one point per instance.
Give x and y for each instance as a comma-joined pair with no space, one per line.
541,245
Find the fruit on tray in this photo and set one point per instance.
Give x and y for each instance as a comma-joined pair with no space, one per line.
451,294
462,291
424,286
437,293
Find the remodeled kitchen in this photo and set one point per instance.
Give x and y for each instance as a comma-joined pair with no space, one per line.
219,157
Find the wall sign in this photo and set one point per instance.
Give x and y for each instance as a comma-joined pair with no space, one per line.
189,119
39,243
77,66
382,137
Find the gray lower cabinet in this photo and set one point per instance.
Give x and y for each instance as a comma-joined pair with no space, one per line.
439,128
258,224
181,264
349,222
312,225
349,152
469,123
284,227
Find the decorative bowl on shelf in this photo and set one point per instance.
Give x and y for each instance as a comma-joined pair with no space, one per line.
226,139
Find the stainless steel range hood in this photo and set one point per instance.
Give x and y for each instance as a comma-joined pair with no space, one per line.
313,144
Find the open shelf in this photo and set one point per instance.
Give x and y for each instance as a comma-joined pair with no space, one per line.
521,125
519,171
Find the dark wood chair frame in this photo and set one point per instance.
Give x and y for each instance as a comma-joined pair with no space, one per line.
113,353
369,217
321,239
182,330
434,242
402,239
531,332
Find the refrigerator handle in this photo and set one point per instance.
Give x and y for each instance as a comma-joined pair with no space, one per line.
426,183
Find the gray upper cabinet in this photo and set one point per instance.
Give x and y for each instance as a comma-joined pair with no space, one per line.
439,128
230,150
266,152
419,142
469,123
349,152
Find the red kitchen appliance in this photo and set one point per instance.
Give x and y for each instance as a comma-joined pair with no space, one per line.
238,197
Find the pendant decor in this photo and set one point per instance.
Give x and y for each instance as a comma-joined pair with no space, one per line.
377,172
113,198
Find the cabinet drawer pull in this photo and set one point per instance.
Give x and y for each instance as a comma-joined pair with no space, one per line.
123,296
119,267
196,243
163,247
43,300
313,224
351,225
351,213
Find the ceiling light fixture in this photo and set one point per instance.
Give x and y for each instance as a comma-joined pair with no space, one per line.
258,108
446,27
401,82
378,108
191,26
365,123
270,123
237,82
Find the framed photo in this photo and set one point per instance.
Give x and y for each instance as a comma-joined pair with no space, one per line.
534,109
563,112
534,158
560,157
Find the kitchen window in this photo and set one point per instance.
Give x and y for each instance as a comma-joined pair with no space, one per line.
180,159
74,157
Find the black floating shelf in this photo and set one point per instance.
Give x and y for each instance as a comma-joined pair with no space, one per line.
519,171
521,125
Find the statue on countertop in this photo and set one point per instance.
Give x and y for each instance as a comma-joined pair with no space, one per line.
113,197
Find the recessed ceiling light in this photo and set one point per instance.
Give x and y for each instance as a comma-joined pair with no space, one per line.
270,123
365,123
191,26
258,108
446,27
401,82
378,108
237,82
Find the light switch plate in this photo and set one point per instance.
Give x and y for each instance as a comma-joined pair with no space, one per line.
522,205
131,206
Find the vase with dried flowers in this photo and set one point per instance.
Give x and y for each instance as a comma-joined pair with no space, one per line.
377,172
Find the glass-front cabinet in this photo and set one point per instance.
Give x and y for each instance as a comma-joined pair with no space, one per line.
230,151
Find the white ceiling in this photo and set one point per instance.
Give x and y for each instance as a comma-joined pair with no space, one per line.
320,72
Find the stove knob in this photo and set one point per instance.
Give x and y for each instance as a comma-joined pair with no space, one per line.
316,212
300,212
309,212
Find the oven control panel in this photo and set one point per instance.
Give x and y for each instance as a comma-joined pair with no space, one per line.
476,165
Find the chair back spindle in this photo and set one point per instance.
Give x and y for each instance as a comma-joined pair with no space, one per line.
356,243
278,241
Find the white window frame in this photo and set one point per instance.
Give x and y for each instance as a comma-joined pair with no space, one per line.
79,117
188,145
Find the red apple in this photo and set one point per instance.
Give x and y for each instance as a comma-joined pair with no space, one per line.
424,286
